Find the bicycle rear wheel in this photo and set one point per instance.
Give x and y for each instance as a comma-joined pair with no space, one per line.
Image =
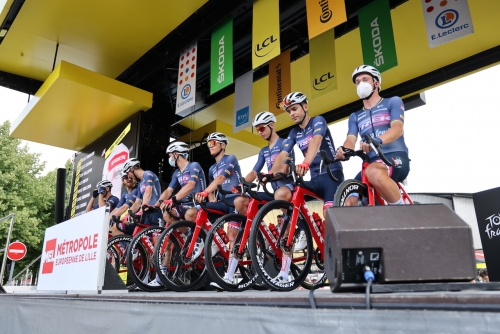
245,275
349,187
183,273
266,257
139,262
116,255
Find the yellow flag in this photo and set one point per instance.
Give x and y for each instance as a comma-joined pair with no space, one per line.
322,64
265,31
323,15
279,81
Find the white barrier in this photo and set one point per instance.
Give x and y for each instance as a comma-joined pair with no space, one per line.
74,254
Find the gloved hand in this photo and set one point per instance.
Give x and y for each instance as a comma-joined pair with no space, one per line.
95,193
101,190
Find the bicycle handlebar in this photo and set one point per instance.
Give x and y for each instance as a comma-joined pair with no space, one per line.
375,145
270,178
327,161
223,193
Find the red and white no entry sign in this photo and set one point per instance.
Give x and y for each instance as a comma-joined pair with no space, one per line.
16,251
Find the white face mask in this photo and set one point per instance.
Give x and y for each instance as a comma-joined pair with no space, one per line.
364,90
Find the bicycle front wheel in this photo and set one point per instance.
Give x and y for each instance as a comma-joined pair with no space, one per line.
181,273
266,256
139,260
343,195
116,255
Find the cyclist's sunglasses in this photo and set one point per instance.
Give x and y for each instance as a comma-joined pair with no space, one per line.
212,143
261,128
126,177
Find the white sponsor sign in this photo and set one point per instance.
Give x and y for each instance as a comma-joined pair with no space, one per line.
243,101
113,165
446,21
186,81
74,253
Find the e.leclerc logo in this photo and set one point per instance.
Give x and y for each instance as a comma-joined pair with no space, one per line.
186,90
447,19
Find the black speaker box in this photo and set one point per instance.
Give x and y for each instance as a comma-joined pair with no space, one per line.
400,244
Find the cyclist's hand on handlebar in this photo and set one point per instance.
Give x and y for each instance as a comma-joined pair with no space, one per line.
365,147
146,207
339,155
237,189
166,204
266,177
301,169
201,196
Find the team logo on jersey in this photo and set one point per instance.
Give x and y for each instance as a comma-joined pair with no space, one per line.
402,107
397,162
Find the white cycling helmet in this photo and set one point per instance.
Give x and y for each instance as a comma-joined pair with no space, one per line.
104,183
218,136
132,162
264,117
178,146
293,98
369,70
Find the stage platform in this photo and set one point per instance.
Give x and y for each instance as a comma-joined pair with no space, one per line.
251,312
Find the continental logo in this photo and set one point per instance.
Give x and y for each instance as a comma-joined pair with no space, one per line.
264,48
326,13
323,82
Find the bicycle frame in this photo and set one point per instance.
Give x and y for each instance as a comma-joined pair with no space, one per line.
373,195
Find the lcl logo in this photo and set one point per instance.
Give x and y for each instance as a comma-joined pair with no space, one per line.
262,46
324,78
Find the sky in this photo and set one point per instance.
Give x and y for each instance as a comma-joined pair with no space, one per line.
452,140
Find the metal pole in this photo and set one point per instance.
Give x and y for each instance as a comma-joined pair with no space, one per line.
6,245
12,264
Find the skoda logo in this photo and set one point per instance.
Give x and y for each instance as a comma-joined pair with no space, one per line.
447,19
186,90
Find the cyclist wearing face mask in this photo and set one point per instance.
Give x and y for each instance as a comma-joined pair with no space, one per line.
102,192
383,120
189,175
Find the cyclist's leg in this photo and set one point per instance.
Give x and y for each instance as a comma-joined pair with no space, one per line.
326,187
241,204
380,176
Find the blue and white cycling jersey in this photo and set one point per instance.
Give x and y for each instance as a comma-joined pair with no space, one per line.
268,156
316,126
229,167
377,120
192,172
128,198
150,179
112,201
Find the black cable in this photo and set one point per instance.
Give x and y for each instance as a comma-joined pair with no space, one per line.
367,294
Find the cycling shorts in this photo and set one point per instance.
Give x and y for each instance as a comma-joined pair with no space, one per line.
127,229
153,219
324,186
183,207
221,206
400,165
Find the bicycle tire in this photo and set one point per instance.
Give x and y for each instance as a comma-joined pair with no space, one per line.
139,269
349,187
260,254
118,254
247,272
180,280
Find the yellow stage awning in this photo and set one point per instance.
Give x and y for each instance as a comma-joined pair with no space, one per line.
76,106
242,144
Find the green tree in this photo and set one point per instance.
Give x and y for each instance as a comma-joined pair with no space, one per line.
26,193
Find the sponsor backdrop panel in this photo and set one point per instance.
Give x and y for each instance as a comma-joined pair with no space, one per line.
279,81
243,102
377,36
221,57
74,253
323,64
103,159
186,81
265,31
446,21
487,206
323,15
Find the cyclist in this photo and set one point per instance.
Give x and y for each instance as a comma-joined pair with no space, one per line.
226,171
311,134
102,191
383,120
126,201
149,189
263,122
189,175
